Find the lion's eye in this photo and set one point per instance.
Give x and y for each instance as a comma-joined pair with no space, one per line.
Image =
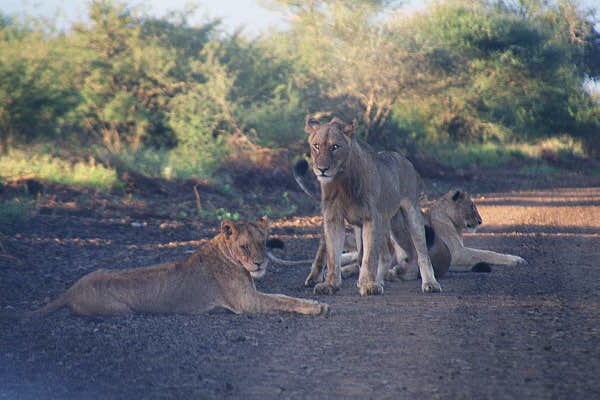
334,148
245,249
316,146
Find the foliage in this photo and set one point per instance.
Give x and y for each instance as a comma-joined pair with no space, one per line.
533,156
165,96
356,63
219,214
49,168
511,73
34,94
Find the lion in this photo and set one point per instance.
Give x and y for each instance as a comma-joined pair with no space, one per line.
218,274
445,222
375,192
449,217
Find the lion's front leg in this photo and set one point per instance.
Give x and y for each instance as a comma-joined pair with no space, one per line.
267,303
334,231
417,234
316,268
371,243
466,258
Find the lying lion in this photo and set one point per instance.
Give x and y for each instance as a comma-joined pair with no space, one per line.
451,216
218,274
445,223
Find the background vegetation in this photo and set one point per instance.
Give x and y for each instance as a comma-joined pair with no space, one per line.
466,81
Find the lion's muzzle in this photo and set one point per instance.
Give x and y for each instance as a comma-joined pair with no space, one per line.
259,270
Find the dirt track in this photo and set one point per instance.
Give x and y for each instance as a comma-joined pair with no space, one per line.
524,332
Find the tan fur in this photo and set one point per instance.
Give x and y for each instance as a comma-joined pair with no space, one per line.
448,217
218,274
375,192
452,215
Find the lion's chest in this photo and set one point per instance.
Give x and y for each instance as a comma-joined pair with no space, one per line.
352,210
356,216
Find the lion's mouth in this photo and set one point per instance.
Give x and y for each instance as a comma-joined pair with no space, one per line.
324,178
259,271
471,228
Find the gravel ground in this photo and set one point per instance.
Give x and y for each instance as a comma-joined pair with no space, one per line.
518,332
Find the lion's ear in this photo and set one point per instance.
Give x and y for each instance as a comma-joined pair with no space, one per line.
264,223
349,129
458,194
311,124
229,228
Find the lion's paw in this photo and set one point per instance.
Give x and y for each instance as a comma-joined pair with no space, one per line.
519,261
311,280
325,288
370,289
430,287
323,309
391,275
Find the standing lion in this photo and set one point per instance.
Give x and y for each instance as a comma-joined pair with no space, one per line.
376,193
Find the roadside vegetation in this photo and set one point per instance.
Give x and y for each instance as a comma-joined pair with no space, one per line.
471,83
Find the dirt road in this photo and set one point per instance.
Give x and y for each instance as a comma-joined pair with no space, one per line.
525,332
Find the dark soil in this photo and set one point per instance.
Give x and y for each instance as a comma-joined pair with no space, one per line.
529,332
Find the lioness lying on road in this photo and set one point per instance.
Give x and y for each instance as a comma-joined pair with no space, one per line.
449,217
445,222
218,274
375,192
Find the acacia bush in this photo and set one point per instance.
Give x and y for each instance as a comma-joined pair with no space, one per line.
510,74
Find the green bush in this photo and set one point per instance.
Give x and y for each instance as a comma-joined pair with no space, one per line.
46,167
164,96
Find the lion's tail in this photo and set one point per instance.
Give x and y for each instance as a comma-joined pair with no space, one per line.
274,243
299,171
49,308
281,261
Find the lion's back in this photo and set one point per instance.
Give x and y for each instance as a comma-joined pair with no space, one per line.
398,172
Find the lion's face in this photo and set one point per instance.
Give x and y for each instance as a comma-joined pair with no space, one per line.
463,210
329,147
246,244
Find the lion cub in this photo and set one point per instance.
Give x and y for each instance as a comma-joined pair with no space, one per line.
218,274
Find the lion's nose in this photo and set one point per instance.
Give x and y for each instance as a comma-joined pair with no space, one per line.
478,218
322,170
